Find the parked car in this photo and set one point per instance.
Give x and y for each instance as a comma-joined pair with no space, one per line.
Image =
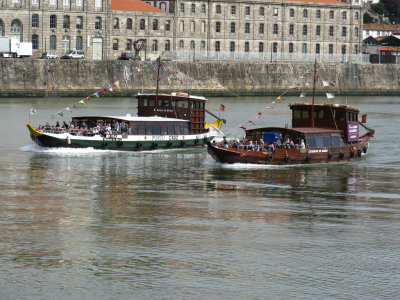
75,54
49,55
128,56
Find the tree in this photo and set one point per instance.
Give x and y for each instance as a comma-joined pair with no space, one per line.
367,19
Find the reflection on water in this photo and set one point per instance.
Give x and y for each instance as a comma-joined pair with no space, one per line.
175,224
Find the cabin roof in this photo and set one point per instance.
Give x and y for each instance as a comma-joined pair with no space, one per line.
328,105
304,130
134,118
175,95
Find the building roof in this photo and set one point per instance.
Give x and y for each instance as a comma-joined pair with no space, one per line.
134,5
389,49
382,27
320,1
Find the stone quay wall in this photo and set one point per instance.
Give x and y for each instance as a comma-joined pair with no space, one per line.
52,78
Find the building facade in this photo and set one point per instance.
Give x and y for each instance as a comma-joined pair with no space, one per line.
106,28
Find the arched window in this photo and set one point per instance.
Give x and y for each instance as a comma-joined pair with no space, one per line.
356,16
79,22
163,6
232,47
154,45
66,22
167,45
203,8
291,29
181,26
192,44
35,21
218,9
97,23
305,13
247,10
304,48
115,44
261,47
356,31
218,27
116,23
275,29
128,44
246,47
35,41
79,43
182,7
262,11
304,29
217,46
261,29
233,27
16,30
290,47
129,24
155,24
318,14
53,21
331,14
275,47
344,15
343,49
1,28
355,49
317,48
247,28
193,9
181,44
142,24
53,42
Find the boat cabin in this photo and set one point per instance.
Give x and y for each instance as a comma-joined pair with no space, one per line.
175,105
333,116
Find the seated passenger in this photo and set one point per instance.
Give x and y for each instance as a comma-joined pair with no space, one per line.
302,145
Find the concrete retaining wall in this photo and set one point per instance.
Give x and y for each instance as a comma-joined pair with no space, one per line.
30,77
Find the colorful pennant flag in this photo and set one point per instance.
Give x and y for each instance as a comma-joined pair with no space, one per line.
116,84
325,83
222,108
249,121
244,128
330,95
82,102
88,98
302,95
60,113
33,111
268,107
67,108
280,98
96,95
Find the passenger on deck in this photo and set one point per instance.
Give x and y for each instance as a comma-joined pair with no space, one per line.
302,145
235,144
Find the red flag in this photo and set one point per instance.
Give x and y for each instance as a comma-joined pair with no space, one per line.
222,107
244,128
181,81
364,118
105,90
124,79
249,121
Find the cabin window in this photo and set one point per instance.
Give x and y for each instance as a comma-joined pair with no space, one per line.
327,141
164,128
149,128
134,128
171,128
164,102
319,141
297,114
319,114
335,141
141,129
311,141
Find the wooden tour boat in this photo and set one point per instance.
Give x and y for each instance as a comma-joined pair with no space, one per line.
320,133
175,120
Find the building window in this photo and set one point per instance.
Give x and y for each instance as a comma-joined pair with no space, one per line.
193,9
34,2
154,45
79,2
129,24
79,22
246,47
128,44
330,30
247,11
343,49
344,31
290,47
66,42
275,14
233,10
203,8
317,48
304,48
203,45
291,29
305,13
217,27
275,29
97,3
247,28
318,14
79,43
66,22
53,42
318,30
261,29
232,47
115,44
356,16
262,11
66,2
355,49
192,44
167,25
181,26
1,28
142,24
331,14
275,47
218,9
330,48
116,23
203,27
356,31
35,41
261,47
304,29
291,13
35,21
53,2
181,44
167,45
97,23
182,7
344,15
53,21
217,46
155,24
233,27
192,26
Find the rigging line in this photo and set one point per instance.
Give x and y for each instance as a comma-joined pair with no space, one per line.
334,117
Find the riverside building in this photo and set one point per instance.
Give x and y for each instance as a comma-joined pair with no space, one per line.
188,30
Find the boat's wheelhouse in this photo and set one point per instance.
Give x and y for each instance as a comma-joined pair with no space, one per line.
175,105
324,140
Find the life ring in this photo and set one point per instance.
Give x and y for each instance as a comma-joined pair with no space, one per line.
365,149
183,144
341,155
359,152
120,143
329,154
352,153
269,157
196,141
308,159
155,145
139,145
287,159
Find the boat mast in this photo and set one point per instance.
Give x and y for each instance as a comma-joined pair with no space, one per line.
313,95
158,79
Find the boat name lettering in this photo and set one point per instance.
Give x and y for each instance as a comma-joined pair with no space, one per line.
173,137
112,138
164,110
159,137
318,151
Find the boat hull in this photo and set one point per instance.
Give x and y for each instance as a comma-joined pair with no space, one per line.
282,156
118,142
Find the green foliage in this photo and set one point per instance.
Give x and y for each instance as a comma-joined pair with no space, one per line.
391,9
367,19
380,8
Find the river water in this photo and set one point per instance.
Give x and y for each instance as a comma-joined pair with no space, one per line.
174,224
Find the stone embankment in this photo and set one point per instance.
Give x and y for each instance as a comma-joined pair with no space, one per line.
50,78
